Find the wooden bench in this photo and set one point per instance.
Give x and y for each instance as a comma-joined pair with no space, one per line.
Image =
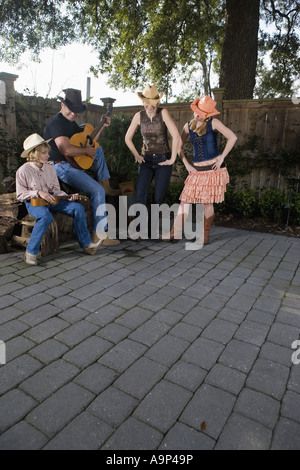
50,241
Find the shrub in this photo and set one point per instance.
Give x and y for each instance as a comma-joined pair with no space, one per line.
9,160
242,203
294,216
229,204
271,204
247,202
118,157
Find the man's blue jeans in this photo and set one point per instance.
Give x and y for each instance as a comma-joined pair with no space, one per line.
79,180
43,219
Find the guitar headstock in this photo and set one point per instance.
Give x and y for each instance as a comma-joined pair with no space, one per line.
104,116
109,110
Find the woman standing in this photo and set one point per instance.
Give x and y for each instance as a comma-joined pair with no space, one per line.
156,158
207,180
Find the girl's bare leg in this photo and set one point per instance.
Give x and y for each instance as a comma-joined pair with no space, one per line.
176,232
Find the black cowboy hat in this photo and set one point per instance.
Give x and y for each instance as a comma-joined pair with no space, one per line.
73,100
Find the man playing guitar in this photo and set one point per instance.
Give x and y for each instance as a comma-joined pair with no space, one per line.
60,128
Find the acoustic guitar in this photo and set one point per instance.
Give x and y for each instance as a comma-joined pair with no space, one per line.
88,137
40,202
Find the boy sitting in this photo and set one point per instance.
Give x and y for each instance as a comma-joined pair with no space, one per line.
37,179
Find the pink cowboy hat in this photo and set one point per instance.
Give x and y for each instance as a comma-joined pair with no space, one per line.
205,107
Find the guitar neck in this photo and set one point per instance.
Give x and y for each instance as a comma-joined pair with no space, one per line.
39,202
98,128
101,123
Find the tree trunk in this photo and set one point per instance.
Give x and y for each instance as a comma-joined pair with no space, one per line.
239,51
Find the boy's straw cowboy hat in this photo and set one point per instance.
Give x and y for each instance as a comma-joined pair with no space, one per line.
31,143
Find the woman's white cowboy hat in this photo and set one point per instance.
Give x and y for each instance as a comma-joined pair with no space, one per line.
150,95
31,143
205,107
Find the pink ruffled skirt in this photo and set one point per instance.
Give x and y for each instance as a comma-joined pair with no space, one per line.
205,187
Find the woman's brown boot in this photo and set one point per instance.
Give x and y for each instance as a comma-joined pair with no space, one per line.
207,224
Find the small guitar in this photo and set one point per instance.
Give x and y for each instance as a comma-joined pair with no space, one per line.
40,202
88,137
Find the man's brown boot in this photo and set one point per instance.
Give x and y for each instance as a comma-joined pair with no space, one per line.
92,248
106,241
109,191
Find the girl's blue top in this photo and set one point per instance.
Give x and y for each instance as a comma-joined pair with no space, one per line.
205,146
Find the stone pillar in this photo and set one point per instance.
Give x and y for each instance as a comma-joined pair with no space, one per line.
8,108
8,118
219,97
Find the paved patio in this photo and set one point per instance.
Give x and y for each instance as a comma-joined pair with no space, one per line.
151,346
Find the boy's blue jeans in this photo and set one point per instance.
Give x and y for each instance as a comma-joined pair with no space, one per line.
44,218
82,182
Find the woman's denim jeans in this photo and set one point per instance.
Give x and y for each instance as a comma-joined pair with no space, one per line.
43,219
150,170
79,180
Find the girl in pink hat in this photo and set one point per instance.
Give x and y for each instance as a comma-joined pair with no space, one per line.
208,177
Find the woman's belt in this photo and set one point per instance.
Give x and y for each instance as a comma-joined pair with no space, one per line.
167,155
207,167
204,168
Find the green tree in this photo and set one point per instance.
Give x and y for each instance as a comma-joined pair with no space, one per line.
165,41
279,76
33,25
240,48
156,41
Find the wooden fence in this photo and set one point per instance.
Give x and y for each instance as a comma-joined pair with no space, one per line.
273,123
276,123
